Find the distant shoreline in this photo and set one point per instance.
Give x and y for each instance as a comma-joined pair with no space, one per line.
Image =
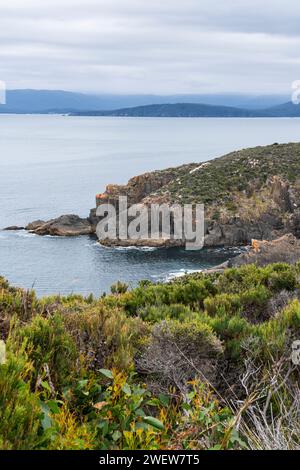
146,117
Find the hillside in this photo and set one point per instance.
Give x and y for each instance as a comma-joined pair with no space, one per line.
60,101
175,110
200,363
248,194
251,193
190,110
82,104
283,110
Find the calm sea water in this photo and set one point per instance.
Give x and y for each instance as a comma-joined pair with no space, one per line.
52,165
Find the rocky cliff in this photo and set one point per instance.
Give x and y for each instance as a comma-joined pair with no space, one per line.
248,194
252,193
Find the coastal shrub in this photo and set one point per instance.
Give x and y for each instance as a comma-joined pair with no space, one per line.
131,371
122,413
250,303
127,425
65,432
275,277
235,280
281,279
223,304
232,330
279,301
119,288
254,303
105,337
18,302
178,352
19,407
290,316
206,424
50,348
191,293
4,284
155,314
277,334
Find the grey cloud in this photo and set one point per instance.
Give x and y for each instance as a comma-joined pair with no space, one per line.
142,46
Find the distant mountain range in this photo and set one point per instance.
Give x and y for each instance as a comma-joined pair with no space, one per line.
196,110
205,105
174,110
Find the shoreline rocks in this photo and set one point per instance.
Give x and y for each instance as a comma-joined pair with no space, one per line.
69,225
248,194
285,249
13,228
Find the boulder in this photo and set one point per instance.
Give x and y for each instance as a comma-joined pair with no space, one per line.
65,225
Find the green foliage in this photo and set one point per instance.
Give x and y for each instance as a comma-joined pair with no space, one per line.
206,425
217,182
191,294
130,370
154,314
275,335
119,288
232,331
49,343
223,304
282,277
195,335
19,407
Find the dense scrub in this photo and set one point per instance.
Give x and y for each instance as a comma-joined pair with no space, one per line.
202,362
217,180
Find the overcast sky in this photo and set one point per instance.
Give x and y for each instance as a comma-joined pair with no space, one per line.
150,46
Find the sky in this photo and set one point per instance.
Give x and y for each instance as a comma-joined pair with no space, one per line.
150,46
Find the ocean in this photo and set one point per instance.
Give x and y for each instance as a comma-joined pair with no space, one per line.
52,165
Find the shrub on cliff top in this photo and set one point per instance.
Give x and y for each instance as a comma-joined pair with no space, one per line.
19,407
178,352
50,348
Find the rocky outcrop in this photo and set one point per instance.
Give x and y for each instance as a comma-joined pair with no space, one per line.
138,187
267,213
14,228
66,225
249,194
36,224
280,194
236,231
150,242
285,249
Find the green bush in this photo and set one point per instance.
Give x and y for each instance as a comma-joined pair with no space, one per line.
155,314
48,343
254,303
282,279
119,288
223,304
128,371
191,293
20,410
232,331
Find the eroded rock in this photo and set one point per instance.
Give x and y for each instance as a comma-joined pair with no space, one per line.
285,249
65,225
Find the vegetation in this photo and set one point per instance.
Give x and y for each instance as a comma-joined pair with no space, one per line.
218,180
203,362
